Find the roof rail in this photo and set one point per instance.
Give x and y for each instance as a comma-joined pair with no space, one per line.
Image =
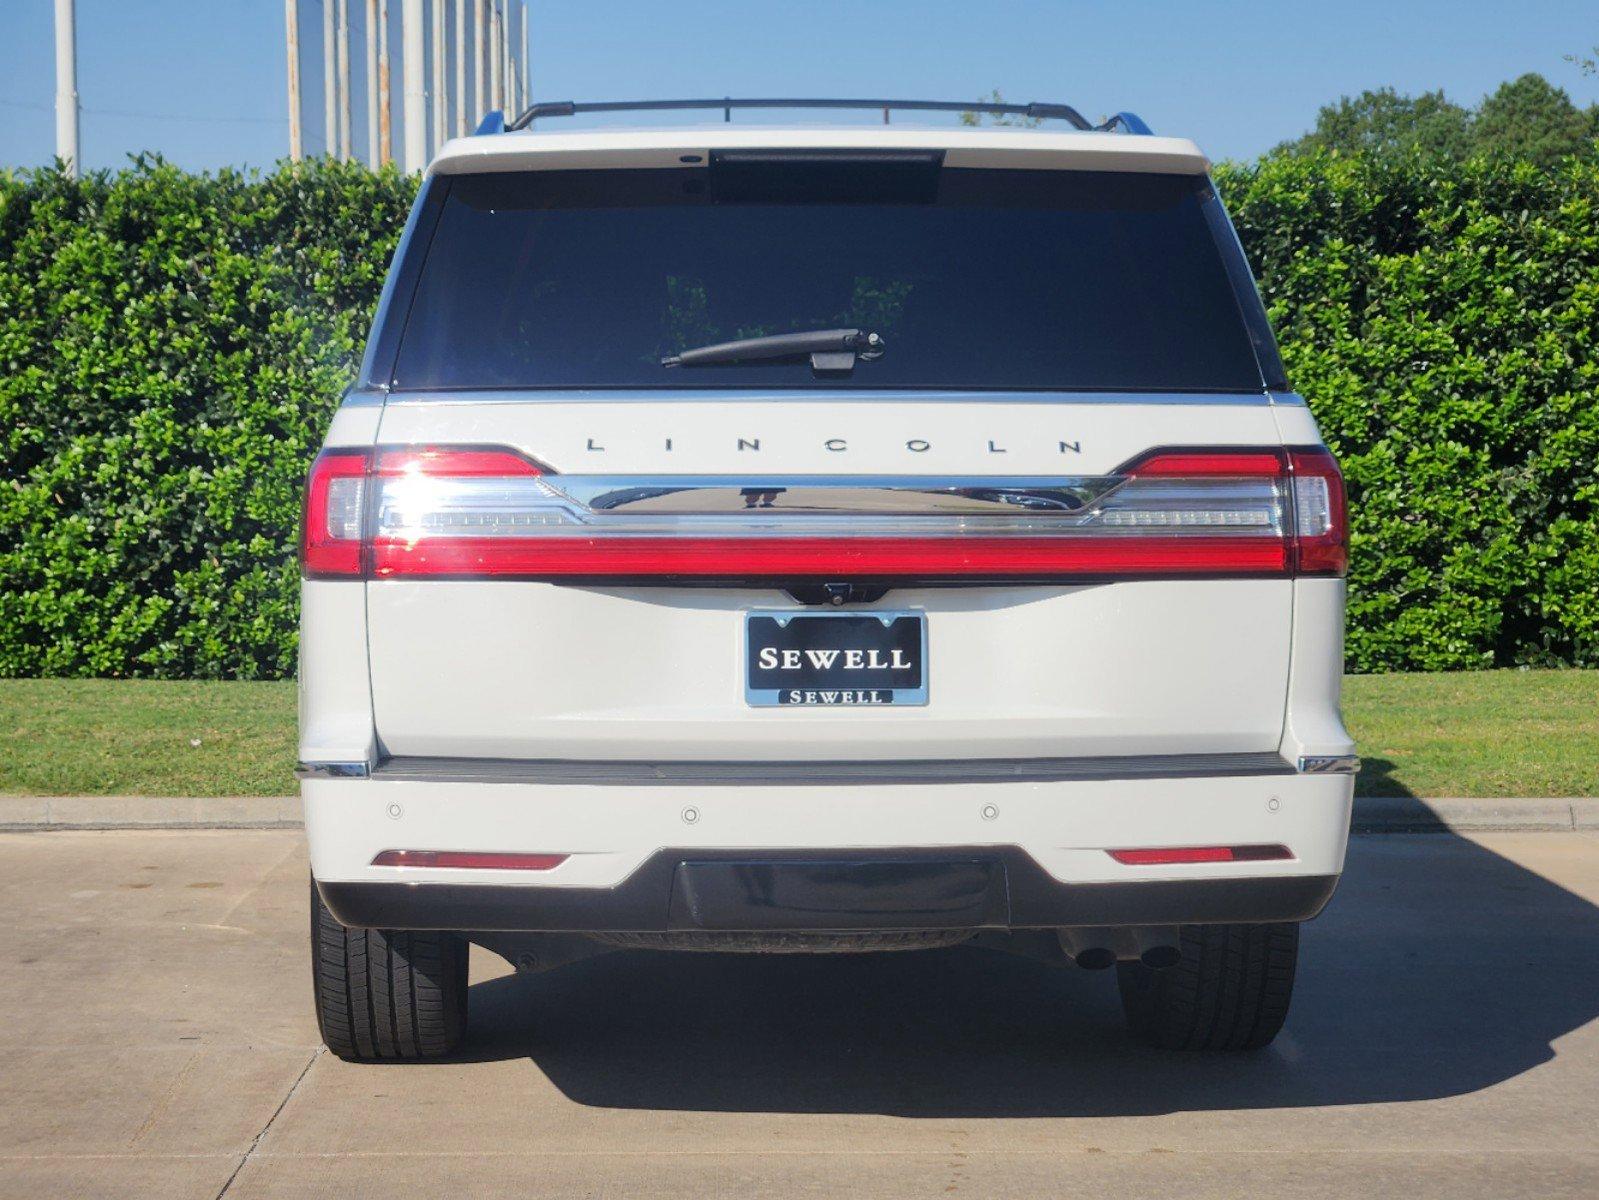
568,108
1129,121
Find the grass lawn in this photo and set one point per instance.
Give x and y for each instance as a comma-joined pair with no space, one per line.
1492,733
1479,733
139,737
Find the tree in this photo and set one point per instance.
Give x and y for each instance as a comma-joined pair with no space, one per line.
1384,121
977,118
1531,118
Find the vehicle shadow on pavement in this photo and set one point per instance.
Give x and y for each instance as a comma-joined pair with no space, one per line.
1440,968
1378,778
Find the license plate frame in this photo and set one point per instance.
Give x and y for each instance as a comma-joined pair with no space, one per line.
804,691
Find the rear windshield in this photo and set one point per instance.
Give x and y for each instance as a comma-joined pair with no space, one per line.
988,279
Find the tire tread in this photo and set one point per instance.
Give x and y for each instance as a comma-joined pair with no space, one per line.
1229,991
383,995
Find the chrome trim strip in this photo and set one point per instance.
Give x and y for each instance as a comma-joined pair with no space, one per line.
332,770
831,774
822,495
1329,764
734,395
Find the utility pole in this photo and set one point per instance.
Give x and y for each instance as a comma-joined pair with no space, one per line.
330,105
527,75
480,63
67,87
416,96
291,30
460,68
385,105
440,53
344,79
372,83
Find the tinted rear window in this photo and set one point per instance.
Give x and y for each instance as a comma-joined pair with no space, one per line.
974,278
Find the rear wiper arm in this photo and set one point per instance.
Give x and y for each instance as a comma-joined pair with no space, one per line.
830,349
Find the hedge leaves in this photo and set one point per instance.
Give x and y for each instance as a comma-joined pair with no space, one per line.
172,347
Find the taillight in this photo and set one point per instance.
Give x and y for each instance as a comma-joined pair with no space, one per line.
1182,855
1321,513
335,496
472,512
491,860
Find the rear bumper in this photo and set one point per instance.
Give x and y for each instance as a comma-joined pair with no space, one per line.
839,853
979,888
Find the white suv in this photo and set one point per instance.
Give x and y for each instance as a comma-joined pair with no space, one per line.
835,538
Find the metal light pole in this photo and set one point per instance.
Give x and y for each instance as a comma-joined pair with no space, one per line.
67,87
440,102
330,107
513,72
527,76
385,104
480,63
495,33
416,96
291,30
343,40
505,59
460,68
513,58
509,63
372,82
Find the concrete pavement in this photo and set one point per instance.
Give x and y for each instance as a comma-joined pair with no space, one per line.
159,1042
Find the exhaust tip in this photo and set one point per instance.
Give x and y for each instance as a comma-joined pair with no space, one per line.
1095,958
1158,958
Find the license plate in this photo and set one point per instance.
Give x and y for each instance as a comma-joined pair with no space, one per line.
835,659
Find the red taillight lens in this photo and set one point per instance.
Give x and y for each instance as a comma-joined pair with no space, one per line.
1206,463
469,859
798,557
1321,513
335,497
1167,856
444,462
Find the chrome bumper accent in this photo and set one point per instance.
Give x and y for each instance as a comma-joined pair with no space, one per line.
332,770
1329,764
867,773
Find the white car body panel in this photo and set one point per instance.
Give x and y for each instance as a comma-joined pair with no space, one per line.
531,150
611,831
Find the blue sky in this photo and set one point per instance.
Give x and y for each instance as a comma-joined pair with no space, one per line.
202,81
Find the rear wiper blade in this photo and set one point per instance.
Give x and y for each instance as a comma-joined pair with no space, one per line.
830,349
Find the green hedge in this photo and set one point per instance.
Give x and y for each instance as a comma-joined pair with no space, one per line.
171,349
1442,319
172,346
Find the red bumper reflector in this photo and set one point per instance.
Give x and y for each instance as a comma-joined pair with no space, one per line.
488,861
859,557
1200,854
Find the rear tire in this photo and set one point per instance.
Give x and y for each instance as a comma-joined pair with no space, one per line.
386,994
1229,991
